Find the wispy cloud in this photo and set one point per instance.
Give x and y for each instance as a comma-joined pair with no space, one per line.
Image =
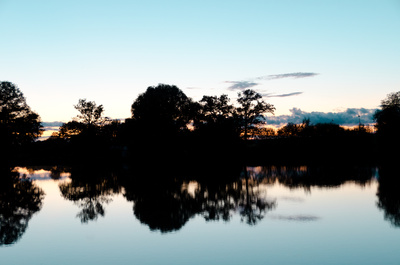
192,88
288,75
282,95
252,82
240,85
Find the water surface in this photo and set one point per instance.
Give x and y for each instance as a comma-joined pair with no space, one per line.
279,215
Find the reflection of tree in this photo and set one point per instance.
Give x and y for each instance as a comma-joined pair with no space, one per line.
90,190
388,194
309,176
217,200
167,203
19,200
161,204
252,204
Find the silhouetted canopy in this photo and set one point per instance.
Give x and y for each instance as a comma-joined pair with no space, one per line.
163,108
18,123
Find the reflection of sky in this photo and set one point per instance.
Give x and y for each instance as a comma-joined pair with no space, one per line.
48,131
349,229
40,174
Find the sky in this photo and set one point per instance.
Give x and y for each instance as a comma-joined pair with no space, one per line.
310,57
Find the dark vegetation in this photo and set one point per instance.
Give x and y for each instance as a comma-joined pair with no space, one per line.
167,127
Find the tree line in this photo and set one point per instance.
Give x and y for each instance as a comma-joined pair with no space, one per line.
165,122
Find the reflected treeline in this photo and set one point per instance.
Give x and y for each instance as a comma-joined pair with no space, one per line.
310,176
253,205
19,200
389,193
166,198
91,188
162,205
166,204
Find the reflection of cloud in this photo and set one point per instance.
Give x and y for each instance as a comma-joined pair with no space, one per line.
297,218
349,117
289,75
240,85
292,199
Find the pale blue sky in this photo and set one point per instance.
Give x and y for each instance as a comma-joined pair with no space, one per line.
110,51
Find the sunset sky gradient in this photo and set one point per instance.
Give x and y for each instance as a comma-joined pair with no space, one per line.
307,56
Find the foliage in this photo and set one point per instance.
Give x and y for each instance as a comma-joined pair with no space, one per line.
388,126
89,122
163,109
251,110
18,123
291,129
90,113
69,129
388,118
214,109
392,100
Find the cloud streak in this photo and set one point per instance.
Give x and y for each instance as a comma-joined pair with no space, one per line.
241,85
282,95
288,75
252,82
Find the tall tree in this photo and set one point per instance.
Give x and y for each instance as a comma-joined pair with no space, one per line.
388,124
251,110
216,123
87,122
18,123
163,109
90,113
214,109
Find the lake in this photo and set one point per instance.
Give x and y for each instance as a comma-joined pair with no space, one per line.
271,215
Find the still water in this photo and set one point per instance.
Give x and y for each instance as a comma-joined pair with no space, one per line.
277,215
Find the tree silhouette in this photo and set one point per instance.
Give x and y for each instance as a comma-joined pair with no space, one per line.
163,109
18,123
214,109
216,126
391,100
90,113
70,129
388,118
388,126
251,110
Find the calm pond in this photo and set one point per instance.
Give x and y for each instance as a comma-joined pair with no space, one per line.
277,215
